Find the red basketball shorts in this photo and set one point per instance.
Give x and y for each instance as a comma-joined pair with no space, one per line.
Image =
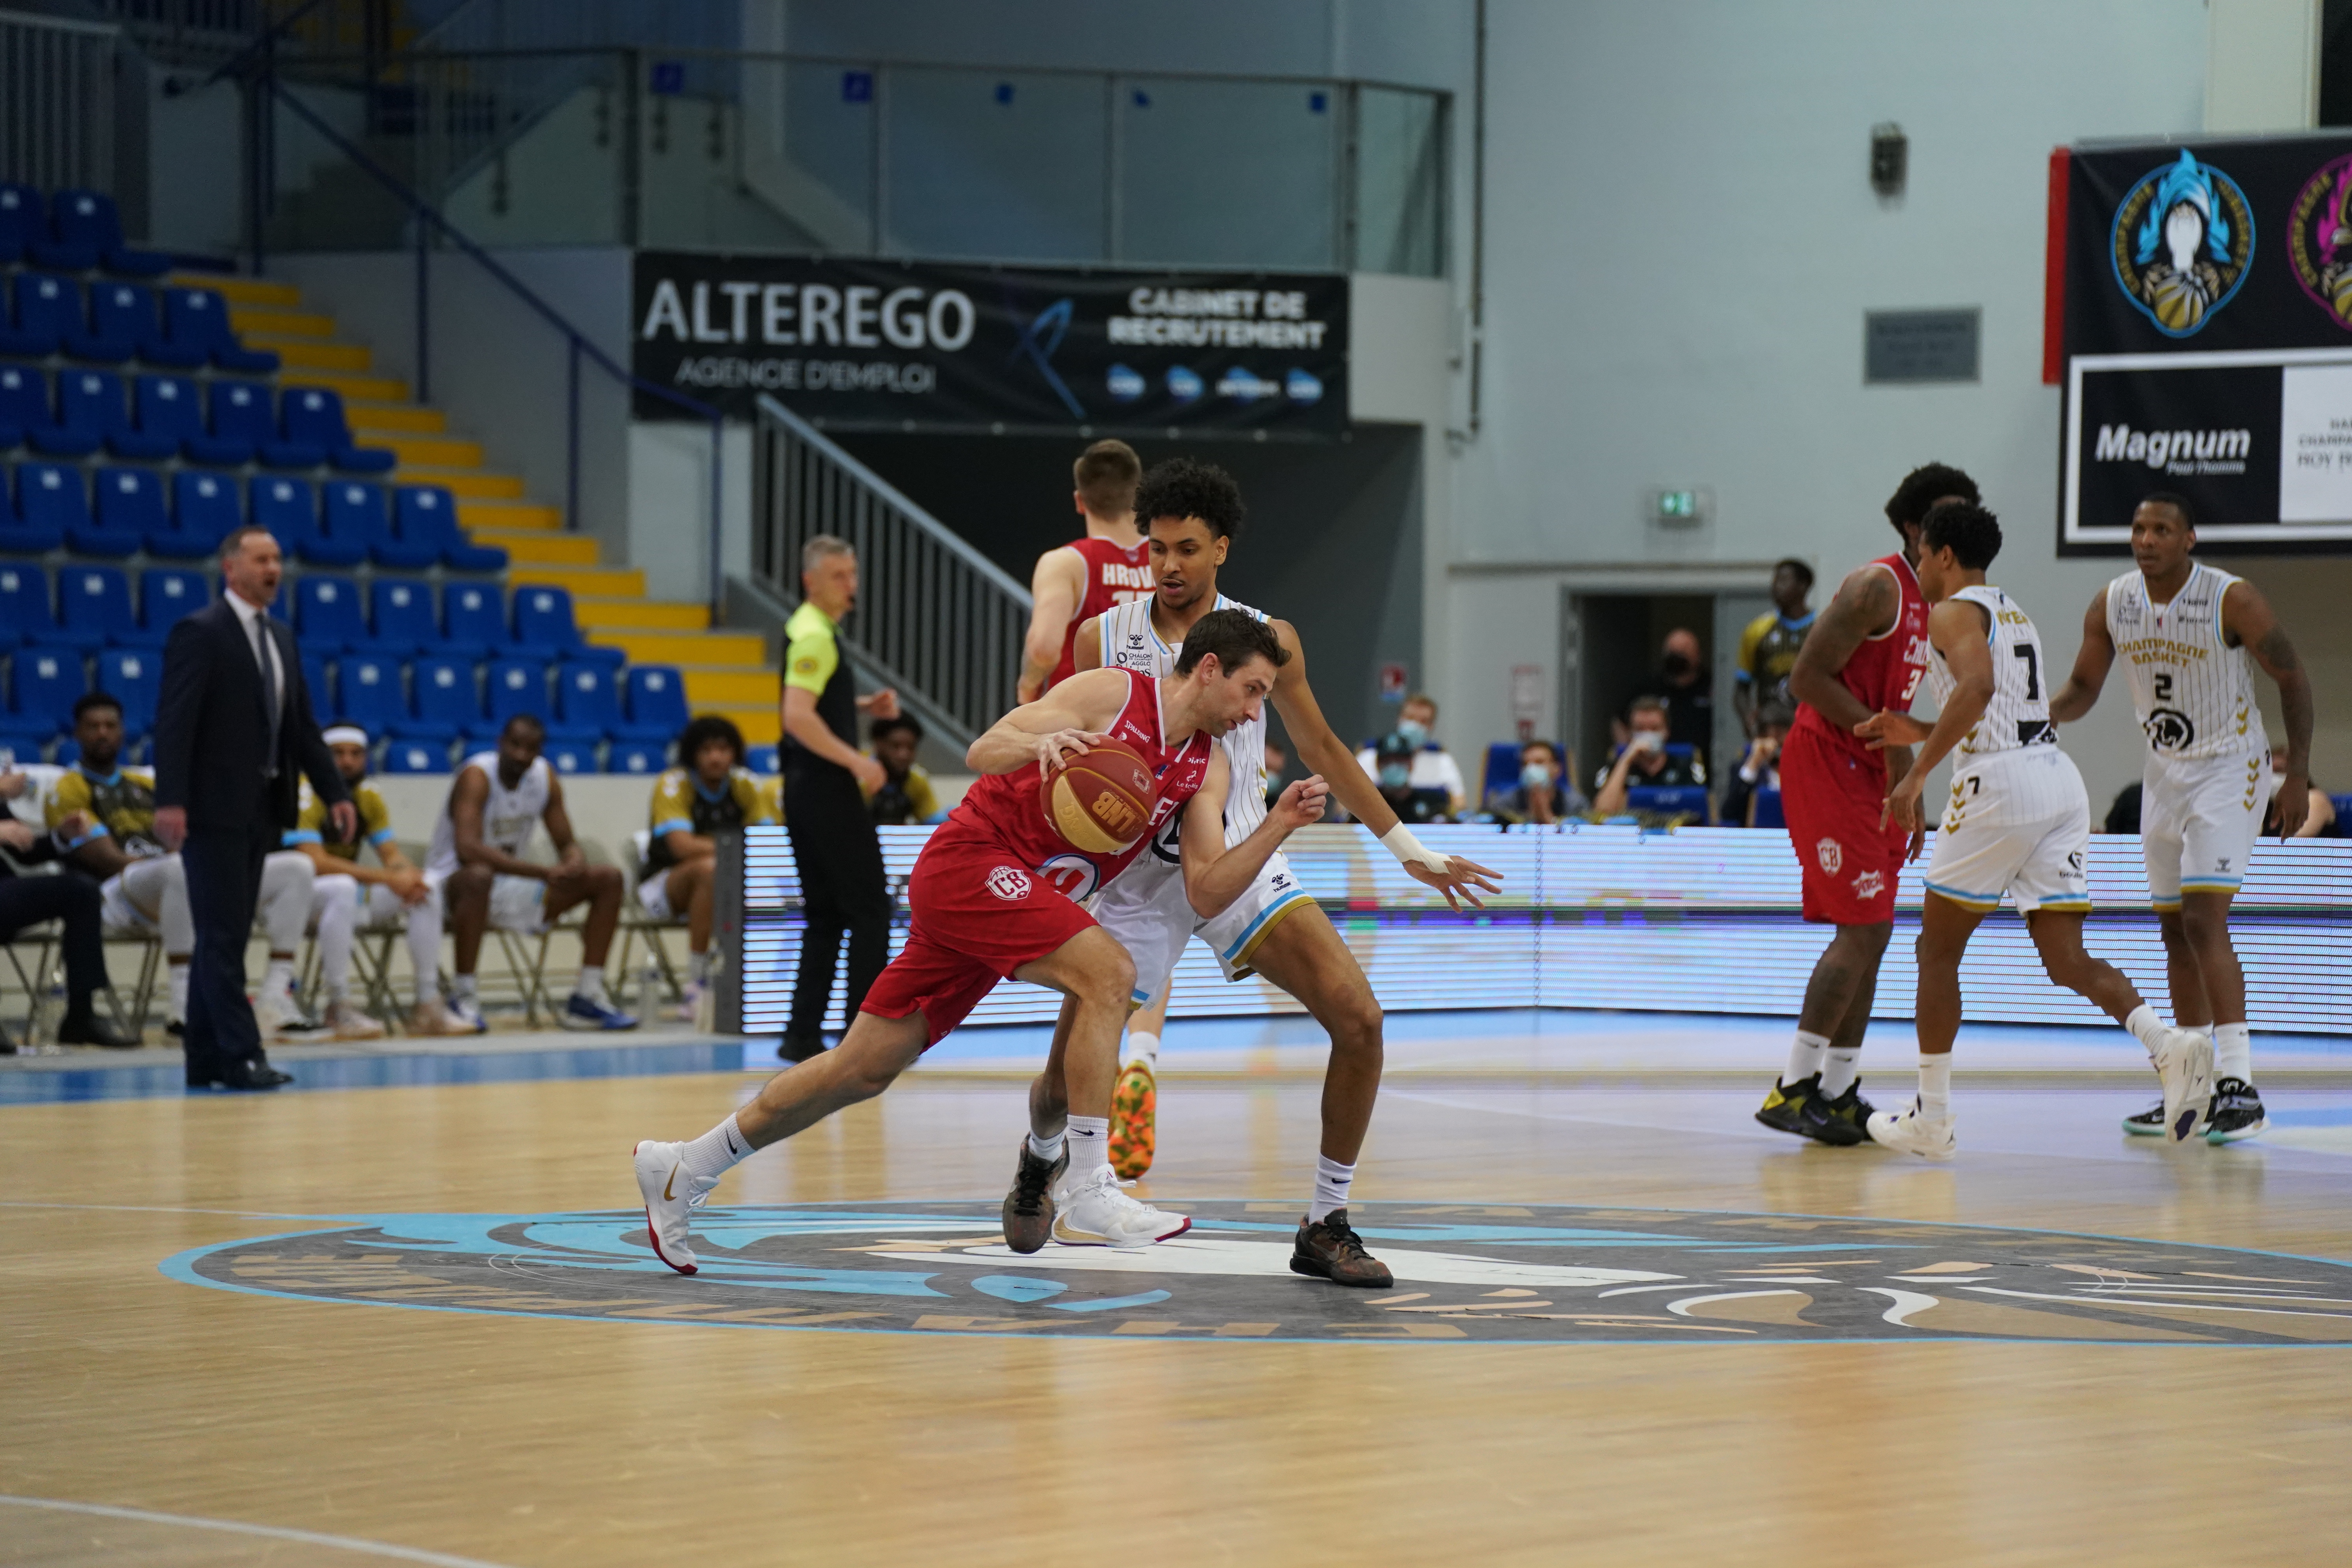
1833,799
979,914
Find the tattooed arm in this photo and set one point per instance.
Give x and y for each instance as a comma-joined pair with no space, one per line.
2247,621
1866,605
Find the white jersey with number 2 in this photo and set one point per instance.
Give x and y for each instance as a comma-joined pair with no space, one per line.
2193,692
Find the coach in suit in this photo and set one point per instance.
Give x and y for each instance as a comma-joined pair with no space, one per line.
233,736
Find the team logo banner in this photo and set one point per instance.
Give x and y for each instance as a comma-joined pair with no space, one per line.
2208,341
855,342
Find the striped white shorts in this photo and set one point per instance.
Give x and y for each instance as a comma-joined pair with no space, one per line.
2016,823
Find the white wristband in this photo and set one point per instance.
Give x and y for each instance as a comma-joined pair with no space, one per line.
1400,842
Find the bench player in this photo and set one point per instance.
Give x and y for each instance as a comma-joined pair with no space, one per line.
989,897
2189,631
1865,655
1082,579
1191,512
2017,822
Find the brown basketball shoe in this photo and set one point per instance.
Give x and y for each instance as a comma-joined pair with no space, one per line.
1332,1250
1029,1207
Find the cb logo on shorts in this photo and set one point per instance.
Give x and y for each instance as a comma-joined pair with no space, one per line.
1009,882
1832,854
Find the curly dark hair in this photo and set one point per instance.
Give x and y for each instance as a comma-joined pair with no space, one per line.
1972,532
703,729
1182,488
1923,487
882,728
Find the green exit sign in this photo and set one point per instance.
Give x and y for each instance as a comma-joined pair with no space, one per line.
1678,503
1681,508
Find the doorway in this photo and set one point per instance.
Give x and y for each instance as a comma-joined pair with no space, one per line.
1609,646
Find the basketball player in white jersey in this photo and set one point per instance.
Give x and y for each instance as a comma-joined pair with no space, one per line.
2017,822
1104,566
496,802
1190,511
2189,631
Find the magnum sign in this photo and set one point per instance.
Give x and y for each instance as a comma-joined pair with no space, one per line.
885,344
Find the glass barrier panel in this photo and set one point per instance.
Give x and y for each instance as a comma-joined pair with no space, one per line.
1227,174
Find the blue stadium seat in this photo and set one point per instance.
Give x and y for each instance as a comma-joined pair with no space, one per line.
25,400
400,610
570,756
50,496
240,411
367,692
25,615
474,620
1668,800
1768,809
333,543
329,614
205,507
126,313
19,537
635,757
414,757
49,248
91,402
130,509
1502,772
198,319
587,707
313,416
167,594
48,313
361,514
96,601
132,677
657,700
87,223
542,618
171,408
765,761
317,681
42,683
517,686
288,508
20,220
427,516
448,703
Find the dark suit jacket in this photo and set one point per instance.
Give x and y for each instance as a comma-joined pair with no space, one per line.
212,731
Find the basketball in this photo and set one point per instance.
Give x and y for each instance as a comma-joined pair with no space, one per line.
1101,804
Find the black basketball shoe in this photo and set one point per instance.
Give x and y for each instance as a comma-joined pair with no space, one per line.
2237,1112
2148,1124
1783,1109
1029,1207
1843,1122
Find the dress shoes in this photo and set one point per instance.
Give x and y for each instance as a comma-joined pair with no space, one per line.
89,1030
252,1073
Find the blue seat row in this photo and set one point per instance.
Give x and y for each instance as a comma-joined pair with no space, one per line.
113,323
184,515
643,757
163,416
73,231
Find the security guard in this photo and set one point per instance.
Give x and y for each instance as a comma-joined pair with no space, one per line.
826,779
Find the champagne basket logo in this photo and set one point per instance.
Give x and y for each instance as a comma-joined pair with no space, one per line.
2183,239
2319,239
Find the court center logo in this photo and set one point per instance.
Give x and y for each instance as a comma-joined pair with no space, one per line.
1465,1273
2319,239
2182,241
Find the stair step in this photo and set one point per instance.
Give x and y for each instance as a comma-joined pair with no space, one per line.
395,418
761,726
602,582
511,515
282,323
749,649
467,484
735,688
368,388
307,354
259,291
540,547
639,615
432,451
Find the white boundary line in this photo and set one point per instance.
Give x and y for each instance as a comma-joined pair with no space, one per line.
234,1527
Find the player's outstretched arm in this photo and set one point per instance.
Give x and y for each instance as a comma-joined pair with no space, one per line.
1067,721
2247,619
1325,754
1216,875
1957,627
1053,590
2092,662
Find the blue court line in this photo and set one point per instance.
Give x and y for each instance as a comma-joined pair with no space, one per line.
47,1086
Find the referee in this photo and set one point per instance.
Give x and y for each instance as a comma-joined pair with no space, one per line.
826,780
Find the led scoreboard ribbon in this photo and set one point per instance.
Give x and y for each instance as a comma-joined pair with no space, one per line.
1695,920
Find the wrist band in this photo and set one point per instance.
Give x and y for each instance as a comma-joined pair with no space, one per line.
1400,842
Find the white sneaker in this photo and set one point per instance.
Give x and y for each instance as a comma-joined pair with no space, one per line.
1914,1133
345,1022
279,1017
432,1020
1091,1211
468,1011
2184,1063
688,1008
671,1197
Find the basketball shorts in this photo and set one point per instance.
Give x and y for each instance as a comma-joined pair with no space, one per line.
2198,818
1146,910
978,914
517,903
1834,800
2016,823
130,902
653,895
379,907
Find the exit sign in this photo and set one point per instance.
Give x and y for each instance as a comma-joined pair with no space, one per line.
1681,508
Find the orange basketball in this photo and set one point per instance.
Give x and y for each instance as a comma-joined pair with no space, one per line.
1101,804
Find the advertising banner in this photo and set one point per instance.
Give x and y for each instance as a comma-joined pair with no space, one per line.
885,344
2208,341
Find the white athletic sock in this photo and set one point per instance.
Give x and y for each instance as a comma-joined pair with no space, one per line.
1805,1056
279,977
1143,1047
175,991
1840,1065
1936,1086
465,987
1089,1145
2147,1028
2234,1051
717,1151
1046,1149
591,983
697,967
1331,1182
428,989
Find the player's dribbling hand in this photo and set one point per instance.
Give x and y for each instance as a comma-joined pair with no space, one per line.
1302,803
1056,749
1885,729
1461,880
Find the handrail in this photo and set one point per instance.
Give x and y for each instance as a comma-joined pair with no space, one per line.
577,342
60,24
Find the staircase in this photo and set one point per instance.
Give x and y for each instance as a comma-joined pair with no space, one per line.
724,672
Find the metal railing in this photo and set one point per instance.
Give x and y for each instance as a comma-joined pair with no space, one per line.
934,618
57,103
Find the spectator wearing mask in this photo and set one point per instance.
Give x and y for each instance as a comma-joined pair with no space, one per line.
2318,822
1759,769
1544,794
1768,648
905,795
1394,766
1432,765
1682,684
1643,759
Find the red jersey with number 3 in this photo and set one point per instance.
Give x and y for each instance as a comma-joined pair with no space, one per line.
1115,573
1885,672
1005,808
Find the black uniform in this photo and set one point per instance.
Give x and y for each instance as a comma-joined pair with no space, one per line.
835,847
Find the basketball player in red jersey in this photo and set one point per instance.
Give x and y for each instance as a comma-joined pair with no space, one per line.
1865,656
987,906
1084,578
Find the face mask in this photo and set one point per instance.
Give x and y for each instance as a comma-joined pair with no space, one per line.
1675,665
1413,730
1534,775
1396,775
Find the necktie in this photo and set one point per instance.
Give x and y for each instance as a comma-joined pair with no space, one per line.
271,697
